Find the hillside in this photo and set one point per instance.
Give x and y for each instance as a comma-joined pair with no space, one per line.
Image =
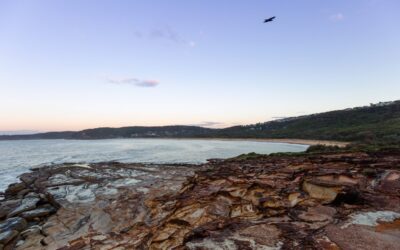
377,122
124,132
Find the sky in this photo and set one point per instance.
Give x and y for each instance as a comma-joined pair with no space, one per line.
73,64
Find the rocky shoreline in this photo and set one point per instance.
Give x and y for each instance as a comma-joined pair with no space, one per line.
322,201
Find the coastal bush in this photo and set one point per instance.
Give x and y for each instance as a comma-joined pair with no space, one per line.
322,149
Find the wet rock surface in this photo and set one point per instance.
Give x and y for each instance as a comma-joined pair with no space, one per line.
330,201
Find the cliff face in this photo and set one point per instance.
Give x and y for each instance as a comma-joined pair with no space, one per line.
330,201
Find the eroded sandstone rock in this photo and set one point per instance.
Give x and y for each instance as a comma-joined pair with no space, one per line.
15,188
25,205
15,223
331,201
7,236
38,212
7,206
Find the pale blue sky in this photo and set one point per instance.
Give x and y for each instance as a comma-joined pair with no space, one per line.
73,64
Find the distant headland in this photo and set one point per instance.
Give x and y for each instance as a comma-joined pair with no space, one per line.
376,122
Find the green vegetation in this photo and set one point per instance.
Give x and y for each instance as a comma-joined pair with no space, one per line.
248,156
377,125
378,146
322,149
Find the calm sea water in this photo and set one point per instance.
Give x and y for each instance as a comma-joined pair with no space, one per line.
17,157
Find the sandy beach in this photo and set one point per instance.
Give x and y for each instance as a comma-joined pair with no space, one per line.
290,141
305,142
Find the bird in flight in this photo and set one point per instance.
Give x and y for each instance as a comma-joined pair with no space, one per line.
269,19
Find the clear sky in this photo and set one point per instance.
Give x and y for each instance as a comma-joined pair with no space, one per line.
74,64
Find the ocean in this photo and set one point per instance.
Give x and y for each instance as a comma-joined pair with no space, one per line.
17,157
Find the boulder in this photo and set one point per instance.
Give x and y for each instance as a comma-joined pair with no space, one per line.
326,194
15,223
26,205
38,212
32,238
15,188
22,193
264,234
8,236
32,195
7,206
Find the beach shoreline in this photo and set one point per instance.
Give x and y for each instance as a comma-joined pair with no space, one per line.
272,140
309,142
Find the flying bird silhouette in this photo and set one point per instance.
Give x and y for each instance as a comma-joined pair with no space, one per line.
269,19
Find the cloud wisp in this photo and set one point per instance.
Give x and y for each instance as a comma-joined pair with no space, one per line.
207,124
337,17
280,117
165,33
135,82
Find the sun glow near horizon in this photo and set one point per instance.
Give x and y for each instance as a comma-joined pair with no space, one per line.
68,66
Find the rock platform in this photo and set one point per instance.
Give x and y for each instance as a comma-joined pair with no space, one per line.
321,201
